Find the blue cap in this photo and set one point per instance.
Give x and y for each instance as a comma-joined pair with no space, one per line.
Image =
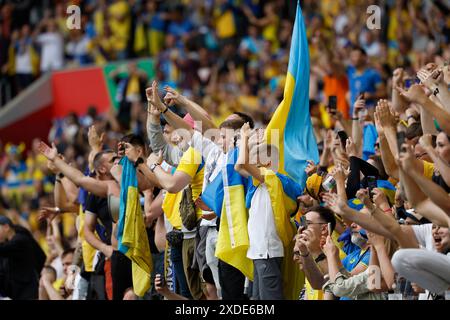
5,220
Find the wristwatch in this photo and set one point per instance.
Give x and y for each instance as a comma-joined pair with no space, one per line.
320,257
153,167
138,162
436,91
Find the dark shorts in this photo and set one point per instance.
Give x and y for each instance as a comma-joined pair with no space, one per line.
121,273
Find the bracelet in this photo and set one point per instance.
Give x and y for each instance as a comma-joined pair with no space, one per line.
167,108
410,116
61,175
138,162
355,118
388,210
58,180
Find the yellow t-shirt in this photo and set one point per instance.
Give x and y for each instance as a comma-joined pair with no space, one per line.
88,252
120,23
225,26
192,164
312,294
428,169
58,284
133,86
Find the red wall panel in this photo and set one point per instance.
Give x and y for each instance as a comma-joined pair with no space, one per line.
35,125
77,90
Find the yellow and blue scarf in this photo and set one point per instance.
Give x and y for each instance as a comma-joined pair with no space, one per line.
132,235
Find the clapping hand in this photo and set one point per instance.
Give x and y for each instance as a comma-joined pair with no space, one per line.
172,96
414,94
330,249
153,97
95,141
49,153
335,202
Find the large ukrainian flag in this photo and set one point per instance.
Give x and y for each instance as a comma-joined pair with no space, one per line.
132,235
295,139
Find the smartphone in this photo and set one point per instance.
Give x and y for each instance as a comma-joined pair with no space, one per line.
401,136
162,280
372,184
343,136
303,224
332,104
329,229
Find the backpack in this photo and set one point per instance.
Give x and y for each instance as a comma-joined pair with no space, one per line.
187,209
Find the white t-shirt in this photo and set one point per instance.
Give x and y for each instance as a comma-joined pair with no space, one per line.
264,240
78,48
215,159
52,54
424,236
57,264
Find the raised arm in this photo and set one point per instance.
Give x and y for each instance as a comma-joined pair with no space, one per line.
416,94
357,125
173,119
96,143
334,262
387,270
195,110
439,213
388,123
434,80
92,185
172,183
155,133
363,219
386,155
388,222
442,167
398,102
62,201
243,165
313,273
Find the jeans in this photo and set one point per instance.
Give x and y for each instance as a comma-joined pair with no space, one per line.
430,270
211,259
177,259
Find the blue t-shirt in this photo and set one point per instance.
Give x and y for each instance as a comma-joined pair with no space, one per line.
364,82
370,137
157,22
178,29
354,258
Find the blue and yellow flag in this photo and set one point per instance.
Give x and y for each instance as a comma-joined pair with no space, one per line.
226,197
296,141
132,235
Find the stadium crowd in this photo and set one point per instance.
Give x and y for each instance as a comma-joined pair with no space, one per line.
374,207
